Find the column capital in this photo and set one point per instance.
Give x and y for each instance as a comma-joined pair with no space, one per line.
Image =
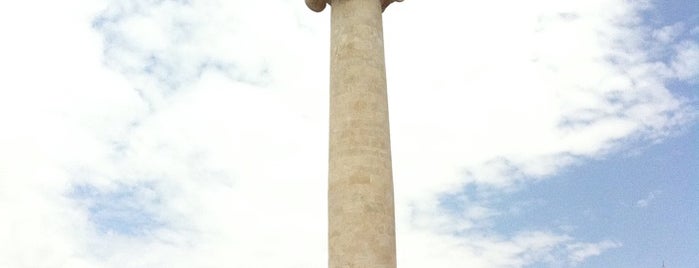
319,5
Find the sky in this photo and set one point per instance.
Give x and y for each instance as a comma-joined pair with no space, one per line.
193,133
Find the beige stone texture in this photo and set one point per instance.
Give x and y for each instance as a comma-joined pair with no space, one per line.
319,5
361,230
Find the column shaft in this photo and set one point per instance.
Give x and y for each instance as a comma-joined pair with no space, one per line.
361,215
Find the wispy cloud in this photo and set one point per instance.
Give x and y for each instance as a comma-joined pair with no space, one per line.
642,203
578,252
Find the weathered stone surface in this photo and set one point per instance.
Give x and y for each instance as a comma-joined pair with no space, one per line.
319,5
316,5
360,193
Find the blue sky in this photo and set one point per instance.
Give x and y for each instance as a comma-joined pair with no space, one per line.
194,133
646,200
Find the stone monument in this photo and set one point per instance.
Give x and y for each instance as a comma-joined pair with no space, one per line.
361,221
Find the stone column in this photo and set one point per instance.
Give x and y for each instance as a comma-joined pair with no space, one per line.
361,224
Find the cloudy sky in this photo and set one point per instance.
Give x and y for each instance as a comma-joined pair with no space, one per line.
193,133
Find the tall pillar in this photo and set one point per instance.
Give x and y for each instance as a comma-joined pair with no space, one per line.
361,224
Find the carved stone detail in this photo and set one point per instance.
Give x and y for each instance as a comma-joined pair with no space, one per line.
319,5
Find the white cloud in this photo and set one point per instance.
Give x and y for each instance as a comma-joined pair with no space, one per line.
642,203
686,62
582,251
576,86
668,33
214,116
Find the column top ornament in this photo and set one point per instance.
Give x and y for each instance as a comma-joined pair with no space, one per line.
319,5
